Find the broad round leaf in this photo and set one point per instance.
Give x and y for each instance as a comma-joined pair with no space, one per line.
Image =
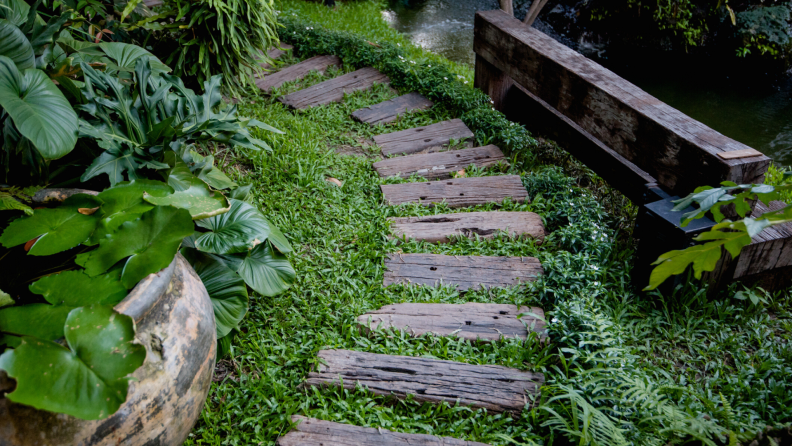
279,240
42,321
150,243
124,202
88,379
15,46
266,271
77,289
238,230
192,194
39,110
58,229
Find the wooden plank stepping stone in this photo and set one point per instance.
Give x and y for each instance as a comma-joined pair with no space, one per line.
333,90
425,138
275,53
470,321
457,192
440,164
312,432
390,110
440,228
466,272
297,71
494,387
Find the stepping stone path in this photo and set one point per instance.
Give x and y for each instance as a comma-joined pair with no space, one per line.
440,228
390,110
420,139
494,387
441,164
466,272
297,71
313,432
470,321
458,192
333,90
275,53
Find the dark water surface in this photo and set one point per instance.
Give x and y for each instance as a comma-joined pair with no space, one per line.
755,111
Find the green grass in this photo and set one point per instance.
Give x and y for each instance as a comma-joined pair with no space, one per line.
621,367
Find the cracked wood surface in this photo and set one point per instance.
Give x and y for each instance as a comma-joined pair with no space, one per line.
470,321
441,228
297,71
388,111
420,139
466,272
457,192
440,164
313,432
332,90
494,387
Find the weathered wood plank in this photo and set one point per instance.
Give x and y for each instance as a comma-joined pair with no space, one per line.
770,249
679,152
297,71
333,90
744,153
390,110
466,272
457,192
470,321
424,138
275,53
440,164
313,432
440,228
493,387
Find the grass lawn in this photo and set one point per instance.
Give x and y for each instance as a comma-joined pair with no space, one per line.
621,367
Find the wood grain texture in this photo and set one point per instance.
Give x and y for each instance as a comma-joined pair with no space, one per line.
465,272
744,153
440,164
333,90
470,321
313,432
297,71
681,153
493,387
388,111
424,138
457,192
770,249
440,228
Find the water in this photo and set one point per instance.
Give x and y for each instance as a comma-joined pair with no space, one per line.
755,111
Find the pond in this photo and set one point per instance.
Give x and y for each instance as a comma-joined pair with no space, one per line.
756,112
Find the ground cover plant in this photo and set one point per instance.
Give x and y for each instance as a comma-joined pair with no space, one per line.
622,367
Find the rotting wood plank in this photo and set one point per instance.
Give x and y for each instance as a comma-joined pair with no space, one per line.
464,272
440,164
313,432
457,192
470,321
441,228
388,111
426,138
333,90
297,71
679,152
494,387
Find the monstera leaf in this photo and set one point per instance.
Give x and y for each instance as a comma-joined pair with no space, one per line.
57,229
265,270
77,289
149,245
38,109
238,230
124,202
192,194
15,46
87,379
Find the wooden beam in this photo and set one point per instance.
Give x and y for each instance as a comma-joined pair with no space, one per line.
506,6
533,13
680,152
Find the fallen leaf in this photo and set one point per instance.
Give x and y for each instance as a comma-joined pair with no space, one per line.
335,181
461,174
30,244
87,211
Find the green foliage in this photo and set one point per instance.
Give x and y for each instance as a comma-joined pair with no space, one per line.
191,193
238,230
765,28
76,289
124,202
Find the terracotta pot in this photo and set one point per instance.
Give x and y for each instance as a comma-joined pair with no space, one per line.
175,322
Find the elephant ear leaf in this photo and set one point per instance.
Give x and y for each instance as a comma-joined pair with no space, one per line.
192,194
238,230
266,271
38,109
15,46
76,289
89,378
124,202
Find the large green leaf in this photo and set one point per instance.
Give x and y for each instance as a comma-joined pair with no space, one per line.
39,110
58,229
226,290
125,56
5,299
149,243
88,379
238,230
266,271
42,321
77,289
124,202
14,45
192,194
15,11
203,167
114,162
